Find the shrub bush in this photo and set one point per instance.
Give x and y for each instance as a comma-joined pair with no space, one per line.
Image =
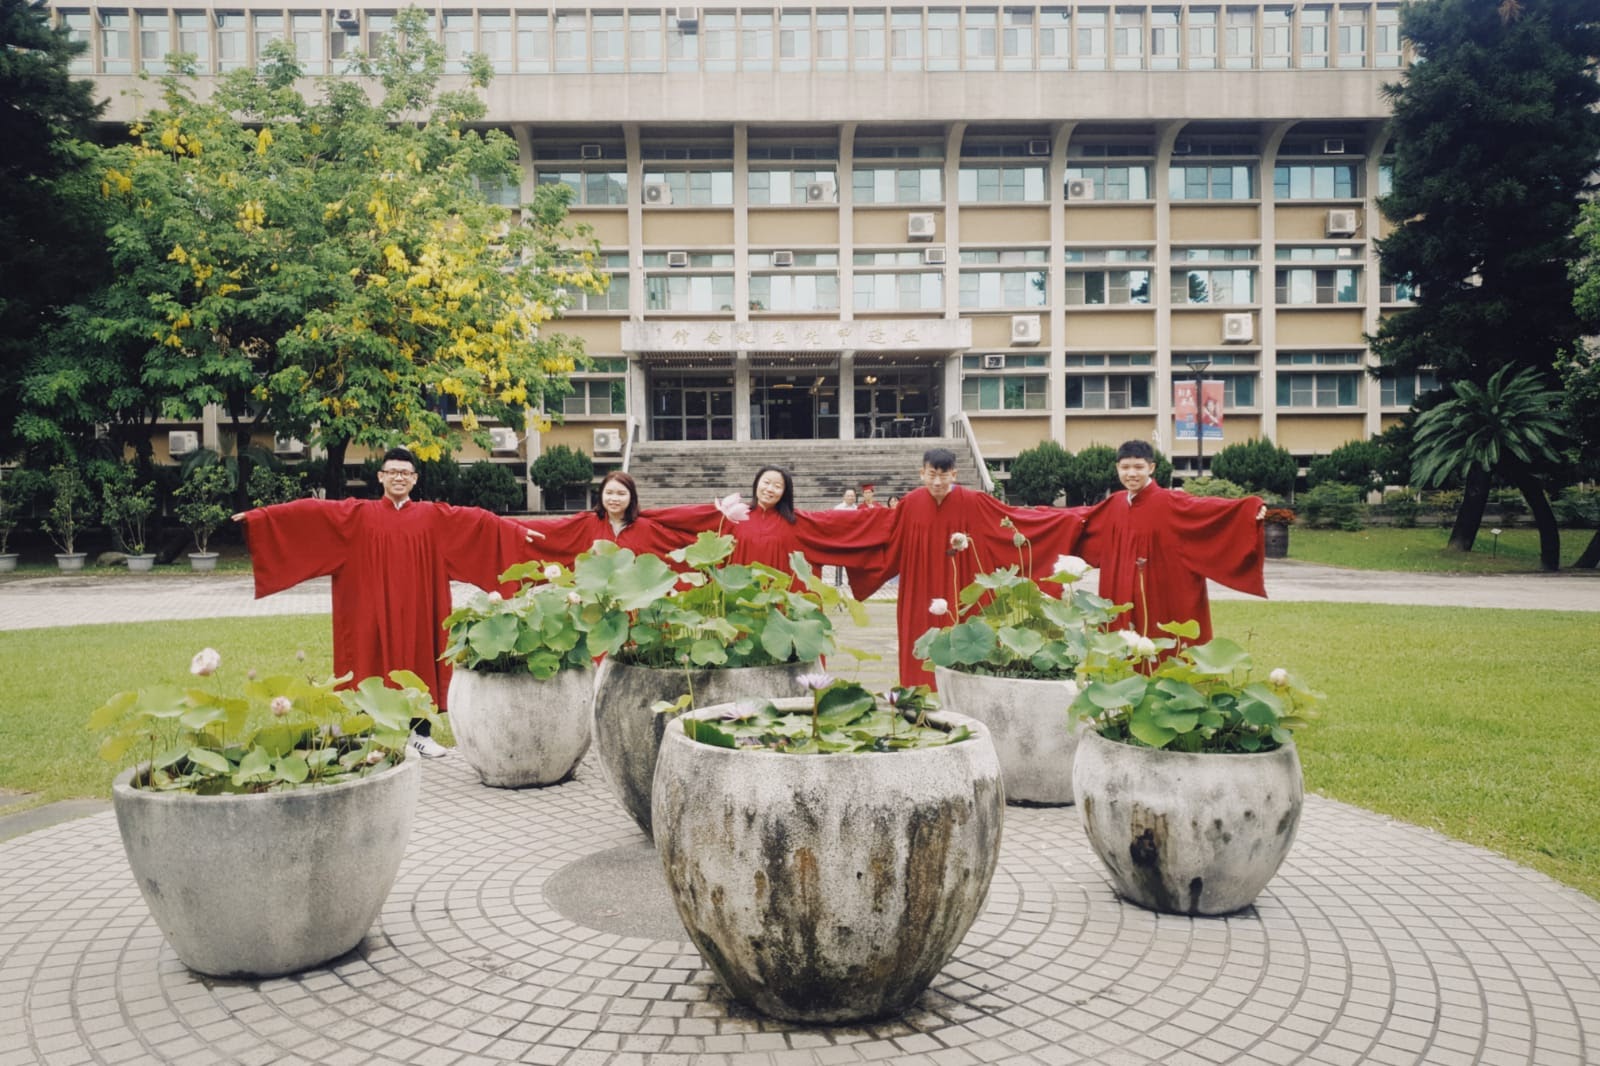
1038,474
1331,506
493,487
440,481
1403,507
559,467
1578,507
1092,474
1214,486
1359,462
1259,465
1444,503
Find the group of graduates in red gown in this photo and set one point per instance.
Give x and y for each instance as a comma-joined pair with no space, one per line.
392,559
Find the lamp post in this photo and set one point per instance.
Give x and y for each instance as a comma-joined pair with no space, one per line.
1198,364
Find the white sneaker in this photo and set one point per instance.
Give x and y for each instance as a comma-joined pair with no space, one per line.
427,747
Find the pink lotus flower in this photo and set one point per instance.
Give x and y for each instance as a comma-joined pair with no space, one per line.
205,662
815,682
733,507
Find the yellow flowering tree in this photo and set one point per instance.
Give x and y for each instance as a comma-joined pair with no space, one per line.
333,266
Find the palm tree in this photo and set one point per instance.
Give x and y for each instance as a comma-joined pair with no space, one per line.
1509,426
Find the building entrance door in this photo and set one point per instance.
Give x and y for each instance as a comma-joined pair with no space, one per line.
691,405
794,403
897,400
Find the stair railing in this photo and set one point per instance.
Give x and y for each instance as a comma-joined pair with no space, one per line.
630,433
985,479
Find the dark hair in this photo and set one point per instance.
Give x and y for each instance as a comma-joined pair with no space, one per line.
626,481
1136,449
785,504
939,458
404,455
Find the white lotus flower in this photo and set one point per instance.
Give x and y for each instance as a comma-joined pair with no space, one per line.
573,597
939,606
205,662
281,706
1072,565
494,597
1279,677
552,572
1145,648
960,542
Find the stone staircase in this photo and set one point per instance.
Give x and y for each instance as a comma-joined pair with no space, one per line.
676,472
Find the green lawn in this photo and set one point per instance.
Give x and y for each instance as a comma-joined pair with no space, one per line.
1422,549
1478,723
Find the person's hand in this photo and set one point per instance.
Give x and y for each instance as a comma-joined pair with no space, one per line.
238,516
1261,513
530,535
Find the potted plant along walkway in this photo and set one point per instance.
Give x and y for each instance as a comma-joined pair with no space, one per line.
1007,658
264,831
523,683
714,634
1187,777
827,854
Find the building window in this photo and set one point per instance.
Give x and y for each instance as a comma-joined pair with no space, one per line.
1238,390
1005,392
194,37
786,186
155,40
1275,41
885,281
1318,390
601,390
494,40
1202,36
1386,36
1016,38
757,41
644,42
1403,391
1107,287
800,287
1308,181
1166,41
1214,286
833,40
1400,291
571,42
615,298
1313,37
794,40
116,43
533,42
944,40
718,41
1055,38
1352,37
457,31
590,188
1310,286
1108,392
306,31
1240,38
1131,182
988,185
868,41
674,289
981,43
1127,43
905,40
898,185
1212,181
1091,38
1004,284
700,188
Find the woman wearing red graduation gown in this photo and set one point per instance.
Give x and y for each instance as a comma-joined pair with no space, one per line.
615,518
775,530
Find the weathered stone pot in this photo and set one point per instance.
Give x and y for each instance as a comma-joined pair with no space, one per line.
627,734
1034,735
203,561
825,889
70,562
141,564
1277,540
8,562
519,731
1183,833
270,884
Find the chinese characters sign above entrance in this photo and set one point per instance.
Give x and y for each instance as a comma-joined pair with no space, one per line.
801,335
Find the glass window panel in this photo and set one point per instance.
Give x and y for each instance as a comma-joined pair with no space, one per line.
116,42
717,40
533,42
1165,40
683,49
1202,39
944,40
155,37
1055,38
794,40
1352,37
1313,37
266,29
905,40
833,40
869,42
571,41
1091,39
1241,38
607,44
194,37
457,31
981,43
1386,36
1017,38
495,41
1128,41
756,32
1275,37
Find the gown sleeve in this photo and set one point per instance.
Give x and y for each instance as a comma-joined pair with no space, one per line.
1094,543
1220,540
688,520
565,537
478,546
1050,532
299,540
852,539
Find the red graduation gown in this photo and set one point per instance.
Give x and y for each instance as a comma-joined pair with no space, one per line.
391,573
569,536
1183,540
826,538
916,546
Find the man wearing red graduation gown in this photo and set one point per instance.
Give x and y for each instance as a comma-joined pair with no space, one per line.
1155,548
392,561
917,546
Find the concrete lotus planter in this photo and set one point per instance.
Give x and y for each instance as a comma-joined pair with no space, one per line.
70,562
1034,735
8,562
203,561
1187,834
519,731
264,885
141,564
825,889
627,734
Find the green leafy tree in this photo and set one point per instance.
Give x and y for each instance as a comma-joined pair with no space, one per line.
200,500
1580,367
1357,462
1093,473
1496,133
493,487
1258,465
1511,424
559,467
331,265
1038,474
49,216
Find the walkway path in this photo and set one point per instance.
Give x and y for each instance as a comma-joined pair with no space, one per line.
533,926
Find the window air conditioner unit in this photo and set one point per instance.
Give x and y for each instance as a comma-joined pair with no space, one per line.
1238,329
688,18
1024,329
347,18
282,445
819,192
589,151
1342,223
1039,146
1333,146
657,192
182,442
677,259
783,259
1080,189
995,361
503,440
1182,148
608,442
933,256
919,227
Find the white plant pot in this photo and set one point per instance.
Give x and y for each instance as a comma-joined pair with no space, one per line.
826,889
1185,833
141,564
262,885
203,561
1034,735
518,731
70,562
627,733
8,562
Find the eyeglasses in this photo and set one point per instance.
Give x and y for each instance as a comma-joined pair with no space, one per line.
397,473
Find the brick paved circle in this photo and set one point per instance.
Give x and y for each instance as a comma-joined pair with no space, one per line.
1377,943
